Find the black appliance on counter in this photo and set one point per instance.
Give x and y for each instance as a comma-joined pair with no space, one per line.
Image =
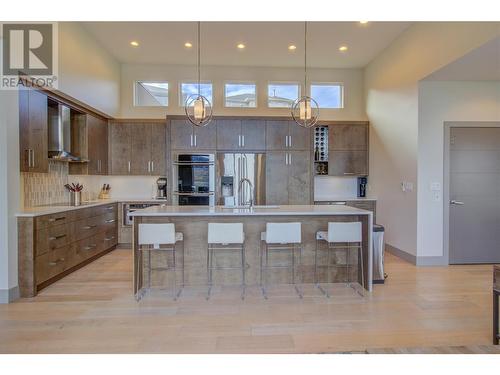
362,182
194,180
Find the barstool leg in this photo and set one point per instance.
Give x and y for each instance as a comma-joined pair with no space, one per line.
209,272
347,265
243,266
293,271
362,270
264,270
318,285
149,271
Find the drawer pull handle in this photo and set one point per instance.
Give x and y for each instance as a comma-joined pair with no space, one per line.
57,237
90,247
57,218
109,238
110,221
110,208
90,226
56,262
349,173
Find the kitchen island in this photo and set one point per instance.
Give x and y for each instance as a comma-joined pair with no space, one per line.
193,221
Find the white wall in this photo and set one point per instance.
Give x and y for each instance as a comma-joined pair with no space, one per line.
87,71
174,74
391,90
440,102
9,192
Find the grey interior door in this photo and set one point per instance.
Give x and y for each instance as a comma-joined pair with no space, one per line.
474,221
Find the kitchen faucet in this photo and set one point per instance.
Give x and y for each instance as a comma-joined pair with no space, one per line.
242,181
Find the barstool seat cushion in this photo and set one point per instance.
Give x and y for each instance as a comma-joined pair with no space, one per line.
282,233
225,233
345,232
157,234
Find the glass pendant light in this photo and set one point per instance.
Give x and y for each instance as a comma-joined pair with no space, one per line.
197,107
305,110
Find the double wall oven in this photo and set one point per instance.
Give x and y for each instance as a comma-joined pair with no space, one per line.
194,180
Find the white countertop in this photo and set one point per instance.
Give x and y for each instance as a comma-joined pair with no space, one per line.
54,209
344,199
303,210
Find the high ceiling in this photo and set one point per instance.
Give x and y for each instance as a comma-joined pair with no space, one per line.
266,43
481,64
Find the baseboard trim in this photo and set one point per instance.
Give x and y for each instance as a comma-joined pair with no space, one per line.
431,261
9,295
410,258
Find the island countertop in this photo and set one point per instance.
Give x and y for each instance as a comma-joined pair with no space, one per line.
295,210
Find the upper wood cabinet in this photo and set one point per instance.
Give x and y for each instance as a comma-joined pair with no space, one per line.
241,135
138,148
288,177
287,135
89,140
33,128
348,150
185,136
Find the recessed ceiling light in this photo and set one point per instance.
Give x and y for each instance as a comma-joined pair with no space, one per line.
292,47
363,22
188,45
343,48
134,43
240,46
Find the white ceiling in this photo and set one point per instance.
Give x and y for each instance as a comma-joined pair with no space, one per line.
266,42
481,64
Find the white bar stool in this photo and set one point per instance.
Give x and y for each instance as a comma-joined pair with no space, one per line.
225,237
340,236
280,237
161,238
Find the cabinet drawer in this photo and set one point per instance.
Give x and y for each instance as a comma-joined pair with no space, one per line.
87,248
52,263
86,228
82,213
106,209
53,237
53,219
108,221
496,278
110,238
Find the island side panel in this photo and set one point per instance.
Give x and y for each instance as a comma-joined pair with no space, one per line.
195,230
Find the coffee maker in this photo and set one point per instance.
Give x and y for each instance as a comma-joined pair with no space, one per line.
161,188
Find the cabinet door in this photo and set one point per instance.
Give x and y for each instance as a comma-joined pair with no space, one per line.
348,137
299,177
300,138
94,144
206,137
348,163
276,178
254,134
158,149
228,134
33,131
120,148
182,134
276,135
103,155
140,140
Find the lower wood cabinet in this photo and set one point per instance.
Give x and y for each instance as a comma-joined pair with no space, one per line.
52,246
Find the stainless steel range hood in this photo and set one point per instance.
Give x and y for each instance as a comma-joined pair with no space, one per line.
60,134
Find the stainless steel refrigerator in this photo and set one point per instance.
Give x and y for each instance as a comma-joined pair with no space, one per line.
232,169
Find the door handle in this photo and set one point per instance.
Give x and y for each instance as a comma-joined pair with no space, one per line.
195,140
152,166
457,203
129,166
286,141
239,140
242,141
289,141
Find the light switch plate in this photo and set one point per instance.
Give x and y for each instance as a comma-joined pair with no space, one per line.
435,186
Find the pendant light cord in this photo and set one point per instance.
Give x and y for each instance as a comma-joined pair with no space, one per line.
305,57
199,90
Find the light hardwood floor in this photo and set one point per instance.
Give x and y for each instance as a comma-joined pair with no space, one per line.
93,311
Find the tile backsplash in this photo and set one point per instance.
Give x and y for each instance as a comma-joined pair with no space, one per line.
40,189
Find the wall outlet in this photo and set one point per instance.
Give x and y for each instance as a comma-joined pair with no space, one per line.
435,186
406,186
436,196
